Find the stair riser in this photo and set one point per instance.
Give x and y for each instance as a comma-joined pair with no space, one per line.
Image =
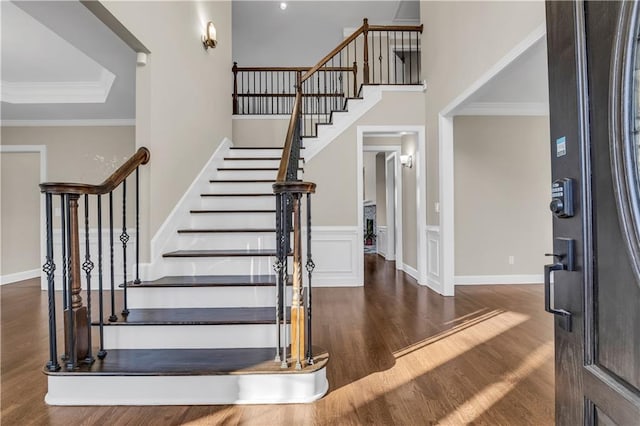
240,188
187,390
262,265
248,174
226,241
191,336
238,203
252,163
203,297
252,153
233,220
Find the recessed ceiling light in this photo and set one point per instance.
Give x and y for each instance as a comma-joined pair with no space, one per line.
283,5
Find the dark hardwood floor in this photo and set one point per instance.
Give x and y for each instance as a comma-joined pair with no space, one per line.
400,355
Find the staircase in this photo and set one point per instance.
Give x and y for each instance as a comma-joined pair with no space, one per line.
224,315
199,337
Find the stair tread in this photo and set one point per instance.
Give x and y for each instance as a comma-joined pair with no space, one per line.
232,211
255,158
242,181
251,168
235,194
220,253
196,316
190,362
231,230
209,281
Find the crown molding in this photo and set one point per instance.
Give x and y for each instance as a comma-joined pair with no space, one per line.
505,108
68,123
76,92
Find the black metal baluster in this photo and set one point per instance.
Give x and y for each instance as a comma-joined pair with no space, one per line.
101,352
49,268
87,267
277,267
404,58
63,238
113,317
72,355
137,280
419,56
410,61
373,55
124,238
310,267
380,52
388,61
284,247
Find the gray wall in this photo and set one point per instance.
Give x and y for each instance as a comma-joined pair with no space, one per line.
502,184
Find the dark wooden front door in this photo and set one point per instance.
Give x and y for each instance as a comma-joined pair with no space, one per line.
594,83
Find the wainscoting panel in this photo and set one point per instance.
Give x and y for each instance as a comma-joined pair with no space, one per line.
335,254
382,241
118,262
433,256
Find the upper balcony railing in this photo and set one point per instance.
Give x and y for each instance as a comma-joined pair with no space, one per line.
372,55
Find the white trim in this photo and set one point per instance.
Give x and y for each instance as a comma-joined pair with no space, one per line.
498,279
42,151
506,108
19,276
433,257
391,191
512,55
69,123
411,271
76,92
356,108
446,157
81,389
180,212
381,241
335,253
260,117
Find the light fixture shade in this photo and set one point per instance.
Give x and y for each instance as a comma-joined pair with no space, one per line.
406,160
210,37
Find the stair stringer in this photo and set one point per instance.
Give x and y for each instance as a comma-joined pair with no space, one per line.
356,109
165,238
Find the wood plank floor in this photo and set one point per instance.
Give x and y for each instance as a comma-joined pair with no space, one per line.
400,355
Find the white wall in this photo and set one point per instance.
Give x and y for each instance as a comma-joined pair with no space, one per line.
369,172
183,102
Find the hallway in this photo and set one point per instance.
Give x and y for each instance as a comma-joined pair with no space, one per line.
400,354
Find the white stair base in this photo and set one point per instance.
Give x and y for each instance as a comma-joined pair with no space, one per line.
187,390
190,336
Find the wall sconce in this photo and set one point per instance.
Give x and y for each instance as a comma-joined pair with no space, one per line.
406,161
209,39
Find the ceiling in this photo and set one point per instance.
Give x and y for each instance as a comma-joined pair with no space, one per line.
61,64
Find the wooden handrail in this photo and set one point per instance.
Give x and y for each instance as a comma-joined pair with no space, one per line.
417,28
286,150
284,69
331,54
141,156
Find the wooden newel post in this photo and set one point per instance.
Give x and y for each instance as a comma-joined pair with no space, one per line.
297,305
235,88
365,70
76,317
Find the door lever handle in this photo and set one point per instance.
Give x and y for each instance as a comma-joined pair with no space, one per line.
565,316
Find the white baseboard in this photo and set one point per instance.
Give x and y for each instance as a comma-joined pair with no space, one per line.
19,276
413,272
498,279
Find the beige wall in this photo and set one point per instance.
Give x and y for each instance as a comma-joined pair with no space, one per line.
460,42
183,103
502,181
333,168
381,190
74,154
259,132
369,172
409,215
20,212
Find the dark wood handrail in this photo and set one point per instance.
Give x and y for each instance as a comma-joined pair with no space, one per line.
286,150
417,28
331,54
284,69
141,156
